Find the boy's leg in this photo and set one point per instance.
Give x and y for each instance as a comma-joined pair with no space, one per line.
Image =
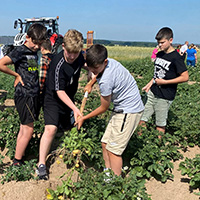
115,163
148,111
161,111
45,142
105,155
116,138
23,138
160,129
111,160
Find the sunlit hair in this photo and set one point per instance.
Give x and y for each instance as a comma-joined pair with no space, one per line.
191,46
96,55
37,32
73,41
164,33
47,45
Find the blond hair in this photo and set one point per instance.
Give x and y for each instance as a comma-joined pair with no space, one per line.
73,41
191,46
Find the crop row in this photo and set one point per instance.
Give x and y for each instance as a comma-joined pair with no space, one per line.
146,155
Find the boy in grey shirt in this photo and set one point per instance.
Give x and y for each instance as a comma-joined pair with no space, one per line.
117,85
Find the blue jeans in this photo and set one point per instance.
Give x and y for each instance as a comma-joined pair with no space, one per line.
191,62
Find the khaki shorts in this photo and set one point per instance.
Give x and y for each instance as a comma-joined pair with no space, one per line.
119,131
159,106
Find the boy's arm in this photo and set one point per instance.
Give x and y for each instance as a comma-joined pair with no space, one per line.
195,55
89,85
105,103
147,87
184,77
65,98
3,67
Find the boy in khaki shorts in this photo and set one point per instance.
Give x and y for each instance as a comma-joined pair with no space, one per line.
117,85
169,70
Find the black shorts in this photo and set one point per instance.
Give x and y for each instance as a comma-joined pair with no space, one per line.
58,114
28,109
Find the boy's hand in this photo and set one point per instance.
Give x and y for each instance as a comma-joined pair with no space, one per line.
160,81
17,80
88,88
92,81
147,87
77,114
79,122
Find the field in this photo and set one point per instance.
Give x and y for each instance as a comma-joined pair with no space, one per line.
157,169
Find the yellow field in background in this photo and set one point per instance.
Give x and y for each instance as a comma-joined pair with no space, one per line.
129,52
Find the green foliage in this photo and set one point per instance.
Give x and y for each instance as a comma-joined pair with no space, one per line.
146,154
191,168
124,43
9,127
7,83
77,145
183,116
19,173
1,159
92,186
152,155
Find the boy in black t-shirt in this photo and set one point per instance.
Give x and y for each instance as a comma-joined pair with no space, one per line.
168,72
61,86
26,84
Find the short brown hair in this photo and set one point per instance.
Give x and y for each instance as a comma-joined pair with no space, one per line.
37,32
73,41
96,55
164,33
47,45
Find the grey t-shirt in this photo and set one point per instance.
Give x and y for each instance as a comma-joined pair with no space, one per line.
120,84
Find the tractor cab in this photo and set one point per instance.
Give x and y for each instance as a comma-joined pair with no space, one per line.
51,23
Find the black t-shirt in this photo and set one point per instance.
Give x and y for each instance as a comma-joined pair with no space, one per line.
63,76
167,66
26,66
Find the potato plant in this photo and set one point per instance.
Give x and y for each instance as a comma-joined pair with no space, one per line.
146,155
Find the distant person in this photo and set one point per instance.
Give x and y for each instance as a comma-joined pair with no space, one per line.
1,52
183,50
191,56
178,48
116,85
26,85
169,71
154,53
45,49
196,48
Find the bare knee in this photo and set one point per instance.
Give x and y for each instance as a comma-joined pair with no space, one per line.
50,130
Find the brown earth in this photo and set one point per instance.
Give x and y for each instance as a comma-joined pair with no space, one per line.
178,189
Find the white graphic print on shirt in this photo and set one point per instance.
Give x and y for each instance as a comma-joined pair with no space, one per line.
161,67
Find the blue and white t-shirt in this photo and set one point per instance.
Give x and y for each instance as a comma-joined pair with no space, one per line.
117,81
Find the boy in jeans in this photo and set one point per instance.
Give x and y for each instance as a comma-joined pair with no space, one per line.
26,85
169,71
62,84
117,85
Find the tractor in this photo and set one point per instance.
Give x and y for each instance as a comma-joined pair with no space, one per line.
51,23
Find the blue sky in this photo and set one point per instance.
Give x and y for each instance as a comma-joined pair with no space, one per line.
125,20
